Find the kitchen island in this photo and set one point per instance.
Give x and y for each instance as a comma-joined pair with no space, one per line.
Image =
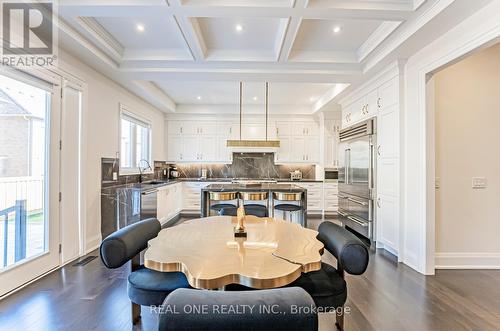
263,187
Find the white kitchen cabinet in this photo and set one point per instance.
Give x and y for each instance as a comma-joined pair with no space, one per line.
330,197
207,148
283,129
253,131
332,129
224,154
174,148
284,152
228,130
389,94
189,148
305,129
298,149
387,223
312,150
314,196
169,202
191,195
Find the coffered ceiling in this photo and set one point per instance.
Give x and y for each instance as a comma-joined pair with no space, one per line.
182,52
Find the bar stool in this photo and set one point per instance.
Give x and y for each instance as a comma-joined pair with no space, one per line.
223,198
254,208
287,207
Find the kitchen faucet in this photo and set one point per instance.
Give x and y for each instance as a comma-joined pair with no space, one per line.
143,169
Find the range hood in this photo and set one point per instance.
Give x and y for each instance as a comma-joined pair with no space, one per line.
245,145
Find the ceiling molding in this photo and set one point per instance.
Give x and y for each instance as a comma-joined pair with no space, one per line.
156,93
102,36
376,38
328,97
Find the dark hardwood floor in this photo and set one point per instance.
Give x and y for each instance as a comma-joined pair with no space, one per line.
389,296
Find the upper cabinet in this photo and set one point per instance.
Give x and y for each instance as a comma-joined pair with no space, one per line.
305,129
370,104
332,129
299,142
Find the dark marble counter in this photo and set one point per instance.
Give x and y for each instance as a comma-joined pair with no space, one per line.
254,188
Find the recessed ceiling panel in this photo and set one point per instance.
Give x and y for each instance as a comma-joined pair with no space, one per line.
244,38
152,32
333,35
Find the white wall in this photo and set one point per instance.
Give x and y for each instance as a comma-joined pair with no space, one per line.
418,180
101,123
467,107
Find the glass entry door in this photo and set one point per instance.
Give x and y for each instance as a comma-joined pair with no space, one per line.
29,179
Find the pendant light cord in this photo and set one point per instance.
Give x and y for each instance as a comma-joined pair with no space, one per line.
241,92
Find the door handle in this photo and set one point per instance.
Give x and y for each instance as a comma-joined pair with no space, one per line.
357,222
362,203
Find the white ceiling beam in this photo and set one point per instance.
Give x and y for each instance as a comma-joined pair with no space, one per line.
328,97
191,32
156,93
102,37
353,12
376,38
292,28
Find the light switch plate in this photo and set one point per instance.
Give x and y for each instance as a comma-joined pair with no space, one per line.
479,182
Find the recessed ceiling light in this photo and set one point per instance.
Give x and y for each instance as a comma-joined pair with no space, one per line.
255,98
238,27
140,27
198,97
312,99
337,29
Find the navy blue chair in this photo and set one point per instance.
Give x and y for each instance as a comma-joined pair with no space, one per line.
286,309
250,209
327,286
145,287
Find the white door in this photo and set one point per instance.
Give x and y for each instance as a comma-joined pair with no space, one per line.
29,178
70,174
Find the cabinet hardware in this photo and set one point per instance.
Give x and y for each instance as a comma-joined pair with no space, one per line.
357,222
378,103
378,202
181,129
367,109
378,150
277,131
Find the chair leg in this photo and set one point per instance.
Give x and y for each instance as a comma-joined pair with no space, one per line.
340,320
136,313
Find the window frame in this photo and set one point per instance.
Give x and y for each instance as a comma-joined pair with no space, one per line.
127,114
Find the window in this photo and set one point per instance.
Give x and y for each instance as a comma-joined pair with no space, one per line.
135,142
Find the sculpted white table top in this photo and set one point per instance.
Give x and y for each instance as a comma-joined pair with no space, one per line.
274,254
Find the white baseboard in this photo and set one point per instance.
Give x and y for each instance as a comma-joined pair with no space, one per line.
467,260
93,243
387,247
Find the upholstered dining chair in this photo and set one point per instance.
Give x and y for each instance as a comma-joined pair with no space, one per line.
285,309
327,286
145,287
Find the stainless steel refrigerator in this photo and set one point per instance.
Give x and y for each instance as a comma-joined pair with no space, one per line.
357,187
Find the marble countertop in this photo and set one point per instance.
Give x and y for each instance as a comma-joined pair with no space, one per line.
250,188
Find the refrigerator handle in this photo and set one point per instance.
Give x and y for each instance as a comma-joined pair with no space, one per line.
346,166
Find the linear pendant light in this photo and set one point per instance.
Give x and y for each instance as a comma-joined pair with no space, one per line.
244,143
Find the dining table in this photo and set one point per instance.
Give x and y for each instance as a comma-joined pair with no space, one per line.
273,254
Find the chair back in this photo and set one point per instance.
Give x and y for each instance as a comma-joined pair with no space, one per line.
351,254
121,246
284,309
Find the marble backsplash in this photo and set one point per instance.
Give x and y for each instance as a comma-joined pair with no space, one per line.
110,165
246,165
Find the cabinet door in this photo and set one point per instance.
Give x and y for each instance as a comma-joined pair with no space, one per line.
189,128
162,205
174,127
208,148
190,148
388,133
298,149
387,222
283,129
389,94
311,129
329,151
224,154
228,130
174,148
207,128
371,108
283,154
312,150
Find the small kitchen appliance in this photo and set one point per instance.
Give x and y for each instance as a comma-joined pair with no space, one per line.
296,175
